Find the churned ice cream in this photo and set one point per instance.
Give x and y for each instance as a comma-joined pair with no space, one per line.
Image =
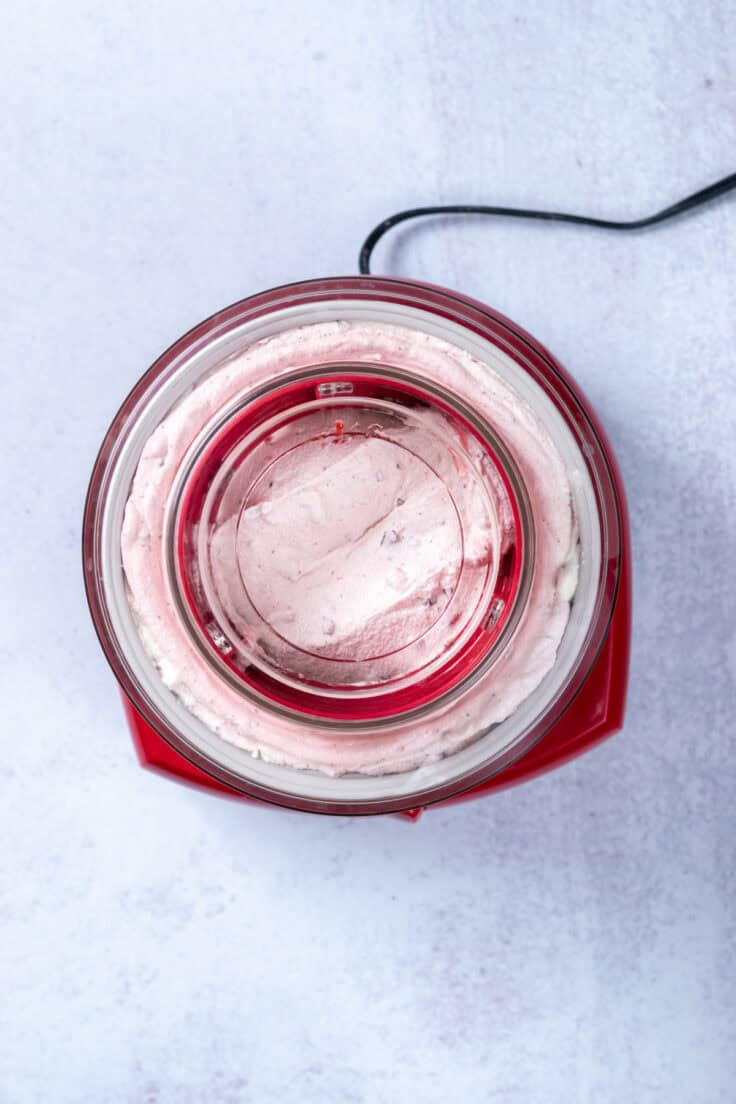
353,556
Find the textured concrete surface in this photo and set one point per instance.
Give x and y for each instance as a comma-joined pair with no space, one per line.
567,942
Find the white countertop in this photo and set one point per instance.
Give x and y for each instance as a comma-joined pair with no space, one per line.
573,940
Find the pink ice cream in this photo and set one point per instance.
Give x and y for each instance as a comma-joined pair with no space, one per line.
352,551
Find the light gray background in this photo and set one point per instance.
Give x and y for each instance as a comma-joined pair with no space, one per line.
569,941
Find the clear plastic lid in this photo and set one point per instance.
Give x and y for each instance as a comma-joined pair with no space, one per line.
349,544
352,545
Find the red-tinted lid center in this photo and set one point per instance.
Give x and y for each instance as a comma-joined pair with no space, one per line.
348,545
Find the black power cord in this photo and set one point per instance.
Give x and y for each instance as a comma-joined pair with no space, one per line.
705,195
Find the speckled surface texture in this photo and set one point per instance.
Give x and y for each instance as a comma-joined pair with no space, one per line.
567,942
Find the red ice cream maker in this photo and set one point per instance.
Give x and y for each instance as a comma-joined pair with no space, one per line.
589,707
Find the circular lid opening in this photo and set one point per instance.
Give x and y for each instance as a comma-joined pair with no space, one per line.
349,544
